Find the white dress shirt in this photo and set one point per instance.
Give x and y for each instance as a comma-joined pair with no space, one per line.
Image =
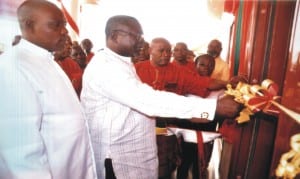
121,110
44,132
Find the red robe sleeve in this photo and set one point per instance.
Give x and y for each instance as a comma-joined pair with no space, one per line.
173,79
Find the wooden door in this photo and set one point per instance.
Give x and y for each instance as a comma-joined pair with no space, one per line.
287,126
260,49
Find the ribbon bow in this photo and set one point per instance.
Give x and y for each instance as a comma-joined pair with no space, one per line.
255,97
259,98
289,165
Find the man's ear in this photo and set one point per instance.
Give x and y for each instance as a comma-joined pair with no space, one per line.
114,36
29,24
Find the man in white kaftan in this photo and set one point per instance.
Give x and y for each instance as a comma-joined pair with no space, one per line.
120,108
43,130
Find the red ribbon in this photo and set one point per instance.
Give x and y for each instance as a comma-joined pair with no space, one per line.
202,164
263,95
69,18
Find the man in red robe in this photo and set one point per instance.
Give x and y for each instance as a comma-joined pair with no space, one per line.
87,45
181,57
70,66
159,73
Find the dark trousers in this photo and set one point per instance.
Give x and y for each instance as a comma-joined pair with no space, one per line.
190,158
109,171
168,155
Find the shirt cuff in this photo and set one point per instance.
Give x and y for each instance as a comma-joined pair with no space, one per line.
204,107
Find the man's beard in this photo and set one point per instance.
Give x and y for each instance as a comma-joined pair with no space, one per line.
213,53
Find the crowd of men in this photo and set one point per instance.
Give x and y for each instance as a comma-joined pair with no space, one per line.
96,118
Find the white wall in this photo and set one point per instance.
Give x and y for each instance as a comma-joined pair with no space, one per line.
176,20
9,28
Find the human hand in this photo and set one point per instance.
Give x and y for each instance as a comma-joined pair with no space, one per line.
227,107
236,79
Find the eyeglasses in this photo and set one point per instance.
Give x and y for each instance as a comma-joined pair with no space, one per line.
137,37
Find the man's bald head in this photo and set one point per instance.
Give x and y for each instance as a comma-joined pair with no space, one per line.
182,45
180,52
160,52
28,10
159,40
214,48
43,24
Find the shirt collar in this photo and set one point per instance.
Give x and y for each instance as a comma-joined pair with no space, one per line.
110,52
35,49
